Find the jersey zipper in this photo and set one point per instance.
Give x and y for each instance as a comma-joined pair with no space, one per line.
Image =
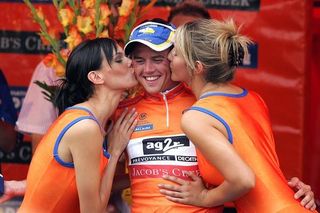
167,108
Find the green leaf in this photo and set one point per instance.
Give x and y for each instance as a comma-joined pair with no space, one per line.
49,91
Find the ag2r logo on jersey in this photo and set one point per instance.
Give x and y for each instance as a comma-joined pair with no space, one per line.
163,144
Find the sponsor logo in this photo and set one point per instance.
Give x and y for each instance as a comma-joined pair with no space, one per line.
144,127
180,158
187,158
157,171
215,4
153,158
143,116
22,42
164,144
147,30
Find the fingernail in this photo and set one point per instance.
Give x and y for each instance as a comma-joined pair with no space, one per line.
164,176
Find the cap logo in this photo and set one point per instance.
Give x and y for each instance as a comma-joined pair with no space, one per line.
147,30
156,36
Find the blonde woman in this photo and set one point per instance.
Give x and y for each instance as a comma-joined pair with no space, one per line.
229,126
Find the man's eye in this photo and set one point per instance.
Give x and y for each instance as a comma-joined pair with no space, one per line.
158,60
138,61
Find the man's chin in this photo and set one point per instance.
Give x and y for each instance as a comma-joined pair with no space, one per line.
152,90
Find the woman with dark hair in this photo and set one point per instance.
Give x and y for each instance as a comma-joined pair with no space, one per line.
229,126
70,171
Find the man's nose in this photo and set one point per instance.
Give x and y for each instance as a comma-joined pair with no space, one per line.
149,66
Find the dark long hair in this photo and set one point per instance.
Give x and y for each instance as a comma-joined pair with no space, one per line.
86,57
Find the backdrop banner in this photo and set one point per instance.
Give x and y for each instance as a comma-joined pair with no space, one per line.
278,67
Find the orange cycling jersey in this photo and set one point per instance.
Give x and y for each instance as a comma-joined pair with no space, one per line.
51,182
157,147
245,117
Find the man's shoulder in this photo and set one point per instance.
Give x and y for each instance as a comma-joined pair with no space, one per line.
130,102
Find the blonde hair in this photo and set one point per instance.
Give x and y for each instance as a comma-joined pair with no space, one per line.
216,44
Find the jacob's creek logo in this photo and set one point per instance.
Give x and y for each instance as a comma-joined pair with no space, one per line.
157,171
164,144
25,42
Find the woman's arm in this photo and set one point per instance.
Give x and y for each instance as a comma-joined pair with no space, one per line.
303,191
210,137
86,144
13,189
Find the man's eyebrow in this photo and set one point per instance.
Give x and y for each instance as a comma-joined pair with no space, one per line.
158,56
137,57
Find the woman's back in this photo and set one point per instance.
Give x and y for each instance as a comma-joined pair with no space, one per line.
246,120
51,183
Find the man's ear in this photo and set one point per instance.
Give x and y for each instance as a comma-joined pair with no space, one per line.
95,77
199,68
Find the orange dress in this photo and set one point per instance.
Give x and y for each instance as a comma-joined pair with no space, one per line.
51,182
245,117
157,147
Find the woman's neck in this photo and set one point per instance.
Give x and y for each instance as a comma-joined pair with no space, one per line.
204,87
103,106
197,84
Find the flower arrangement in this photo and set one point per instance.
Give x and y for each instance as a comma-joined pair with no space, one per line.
81,20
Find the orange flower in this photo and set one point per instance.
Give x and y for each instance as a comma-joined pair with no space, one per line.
126,7
74,38
53,33
89,3
66,16
104,14
84,24
40,13
119,31
58,67
59,70
104,34
50,60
